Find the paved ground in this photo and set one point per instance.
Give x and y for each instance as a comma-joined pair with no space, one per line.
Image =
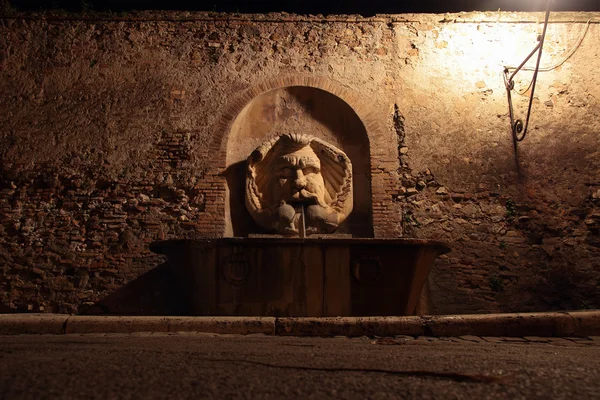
191,365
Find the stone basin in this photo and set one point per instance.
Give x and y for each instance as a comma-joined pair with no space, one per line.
301,277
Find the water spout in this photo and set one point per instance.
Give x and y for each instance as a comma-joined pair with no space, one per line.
302,223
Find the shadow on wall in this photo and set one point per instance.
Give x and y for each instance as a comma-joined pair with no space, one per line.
294,109
154,293
298,109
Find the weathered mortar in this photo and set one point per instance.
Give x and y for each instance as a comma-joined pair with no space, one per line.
112,136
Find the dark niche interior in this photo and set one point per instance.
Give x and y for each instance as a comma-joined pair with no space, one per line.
298,109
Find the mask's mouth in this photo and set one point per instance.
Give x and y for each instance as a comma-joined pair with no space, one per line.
303,197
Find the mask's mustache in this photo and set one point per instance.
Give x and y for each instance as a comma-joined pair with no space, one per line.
311,196
305,194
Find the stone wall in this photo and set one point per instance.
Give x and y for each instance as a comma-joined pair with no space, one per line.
114,132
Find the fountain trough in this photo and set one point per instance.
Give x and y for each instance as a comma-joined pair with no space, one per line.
299,193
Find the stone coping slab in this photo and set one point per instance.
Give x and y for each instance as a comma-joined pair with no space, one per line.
350,326
21,324
547,324
126,324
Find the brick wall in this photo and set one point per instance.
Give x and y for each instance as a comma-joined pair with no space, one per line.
113,134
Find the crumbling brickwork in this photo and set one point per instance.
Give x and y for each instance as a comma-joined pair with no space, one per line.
113,134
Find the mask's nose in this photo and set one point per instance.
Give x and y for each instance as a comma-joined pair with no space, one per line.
300,180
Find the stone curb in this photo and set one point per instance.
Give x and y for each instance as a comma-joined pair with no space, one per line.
125,324
17,324
350,326
560,324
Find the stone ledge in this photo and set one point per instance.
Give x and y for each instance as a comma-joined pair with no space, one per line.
350,326
116,324
578,323
127,324
21,324
233,325
551,324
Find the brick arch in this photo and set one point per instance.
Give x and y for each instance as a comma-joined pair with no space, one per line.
369,115
386,216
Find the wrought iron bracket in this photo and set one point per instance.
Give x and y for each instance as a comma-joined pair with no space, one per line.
518,127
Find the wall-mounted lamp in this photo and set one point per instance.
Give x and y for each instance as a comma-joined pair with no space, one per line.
518,127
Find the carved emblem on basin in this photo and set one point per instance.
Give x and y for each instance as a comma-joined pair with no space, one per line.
294,178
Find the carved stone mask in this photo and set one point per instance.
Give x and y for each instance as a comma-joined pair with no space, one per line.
299,176
293,172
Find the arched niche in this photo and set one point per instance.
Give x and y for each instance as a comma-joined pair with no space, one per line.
302,109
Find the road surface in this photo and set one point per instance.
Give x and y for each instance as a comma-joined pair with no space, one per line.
205,366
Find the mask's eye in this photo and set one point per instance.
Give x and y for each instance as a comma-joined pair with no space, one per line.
310,170
285,172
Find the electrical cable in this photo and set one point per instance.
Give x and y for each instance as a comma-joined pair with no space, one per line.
568,55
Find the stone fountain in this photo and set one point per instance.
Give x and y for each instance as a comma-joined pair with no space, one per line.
299,193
